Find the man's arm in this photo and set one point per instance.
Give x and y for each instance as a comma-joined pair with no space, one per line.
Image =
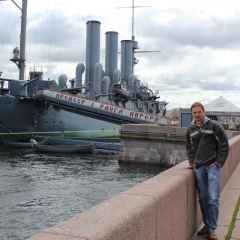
189,151
223,146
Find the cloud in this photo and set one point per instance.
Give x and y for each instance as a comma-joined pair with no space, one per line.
199,43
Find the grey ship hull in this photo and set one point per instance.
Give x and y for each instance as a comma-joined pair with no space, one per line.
23,119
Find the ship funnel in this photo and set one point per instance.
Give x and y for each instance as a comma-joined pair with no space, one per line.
111,54
127,58
92,51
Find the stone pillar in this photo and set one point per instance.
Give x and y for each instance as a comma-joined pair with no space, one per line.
152,144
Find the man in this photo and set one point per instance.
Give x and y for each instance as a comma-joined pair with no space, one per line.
207,149
233,125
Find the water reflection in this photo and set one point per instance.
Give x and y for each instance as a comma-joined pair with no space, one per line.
40,190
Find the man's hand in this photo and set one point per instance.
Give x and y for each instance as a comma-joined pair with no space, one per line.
190,167
213,165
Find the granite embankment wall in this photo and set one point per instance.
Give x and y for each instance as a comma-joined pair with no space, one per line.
163,207
152,144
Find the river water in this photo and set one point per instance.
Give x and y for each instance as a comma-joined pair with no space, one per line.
39,190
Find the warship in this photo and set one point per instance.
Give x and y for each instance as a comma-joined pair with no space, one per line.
92,107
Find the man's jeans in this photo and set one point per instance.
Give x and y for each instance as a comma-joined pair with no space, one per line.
208,183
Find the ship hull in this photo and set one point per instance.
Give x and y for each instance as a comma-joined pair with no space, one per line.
23,119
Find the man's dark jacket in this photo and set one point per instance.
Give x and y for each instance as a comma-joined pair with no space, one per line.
207,144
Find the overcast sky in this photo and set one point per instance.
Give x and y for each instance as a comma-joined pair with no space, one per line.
199,42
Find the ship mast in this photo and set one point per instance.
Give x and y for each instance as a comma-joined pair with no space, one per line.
133,37
133,7
20,60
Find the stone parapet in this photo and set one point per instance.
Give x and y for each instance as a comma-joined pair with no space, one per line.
152,144
148,211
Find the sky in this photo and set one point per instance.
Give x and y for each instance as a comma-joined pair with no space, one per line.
192,47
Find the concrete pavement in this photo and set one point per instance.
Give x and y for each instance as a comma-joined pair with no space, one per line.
228,201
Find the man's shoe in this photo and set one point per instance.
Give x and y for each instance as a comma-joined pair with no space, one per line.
202,231
212,235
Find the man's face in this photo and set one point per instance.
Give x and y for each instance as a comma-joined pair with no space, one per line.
198,114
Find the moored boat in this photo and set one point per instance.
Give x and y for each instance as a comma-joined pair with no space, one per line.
23,144
64,148
99,143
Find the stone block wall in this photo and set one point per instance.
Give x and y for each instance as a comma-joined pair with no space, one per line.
152,144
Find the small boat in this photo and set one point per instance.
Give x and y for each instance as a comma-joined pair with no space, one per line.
71,141
108,146
65,148
10,144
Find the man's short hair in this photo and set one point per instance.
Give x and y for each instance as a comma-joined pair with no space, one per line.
197,104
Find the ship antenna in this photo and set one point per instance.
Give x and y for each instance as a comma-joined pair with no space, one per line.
133,7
